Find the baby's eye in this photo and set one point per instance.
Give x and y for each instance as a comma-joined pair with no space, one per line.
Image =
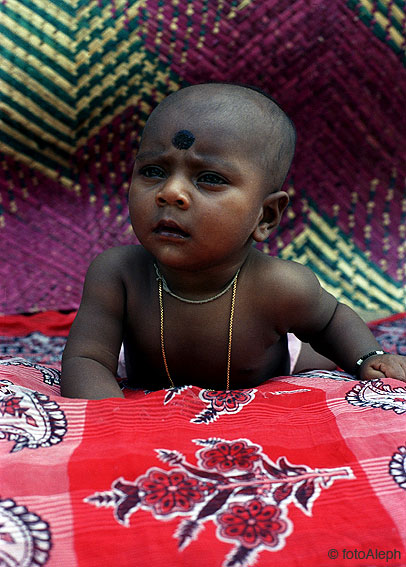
211,179
152,171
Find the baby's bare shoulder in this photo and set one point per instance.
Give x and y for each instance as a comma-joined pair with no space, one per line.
115,269
111,275
119,260
291,294
284,276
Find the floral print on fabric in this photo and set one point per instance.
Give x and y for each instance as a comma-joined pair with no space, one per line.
25,538
218,402
226,456
223,402
253,524
50,376
168,492
376,394
397,467
29,419
235,485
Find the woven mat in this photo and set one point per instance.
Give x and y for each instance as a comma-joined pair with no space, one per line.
78,80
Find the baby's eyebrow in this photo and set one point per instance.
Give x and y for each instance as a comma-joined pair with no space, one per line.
214,161
205,160
148,155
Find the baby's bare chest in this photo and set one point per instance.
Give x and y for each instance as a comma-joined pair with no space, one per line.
198,340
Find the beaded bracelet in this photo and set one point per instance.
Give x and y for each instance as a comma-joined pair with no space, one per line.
361,360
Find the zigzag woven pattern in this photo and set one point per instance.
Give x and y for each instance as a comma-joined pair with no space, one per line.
79,78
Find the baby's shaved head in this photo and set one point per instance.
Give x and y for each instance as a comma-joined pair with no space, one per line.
267,131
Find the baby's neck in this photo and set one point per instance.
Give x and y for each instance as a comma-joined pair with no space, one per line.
199,285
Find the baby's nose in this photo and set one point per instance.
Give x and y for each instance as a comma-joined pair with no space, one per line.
173,193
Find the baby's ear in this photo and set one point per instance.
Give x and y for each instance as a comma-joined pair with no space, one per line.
272,211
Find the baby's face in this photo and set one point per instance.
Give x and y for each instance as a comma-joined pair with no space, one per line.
197,189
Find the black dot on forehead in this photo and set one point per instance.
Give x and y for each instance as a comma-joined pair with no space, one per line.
183,140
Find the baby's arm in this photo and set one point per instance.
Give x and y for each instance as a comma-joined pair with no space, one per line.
89,362
337,332
353,340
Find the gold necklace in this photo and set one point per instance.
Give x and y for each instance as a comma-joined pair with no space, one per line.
230,330
195,301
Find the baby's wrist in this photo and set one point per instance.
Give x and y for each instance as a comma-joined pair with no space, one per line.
364,358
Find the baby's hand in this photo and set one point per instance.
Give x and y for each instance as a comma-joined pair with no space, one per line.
384,365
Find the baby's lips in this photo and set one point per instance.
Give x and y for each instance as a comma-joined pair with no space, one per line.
169,225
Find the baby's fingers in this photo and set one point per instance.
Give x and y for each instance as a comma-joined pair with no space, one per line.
389,366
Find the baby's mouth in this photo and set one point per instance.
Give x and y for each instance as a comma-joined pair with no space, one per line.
170,228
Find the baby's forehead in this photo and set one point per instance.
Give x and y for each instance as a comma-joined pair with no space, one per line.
204,104
204,136
190,119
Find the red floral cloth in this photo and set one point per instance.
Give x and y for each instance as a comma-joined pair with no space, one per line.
307,470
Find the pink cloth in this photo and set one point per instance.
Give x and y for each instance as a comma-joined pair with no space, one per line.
294,346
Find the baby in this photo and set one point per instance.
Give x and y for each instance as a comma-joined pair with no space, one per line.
197,303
